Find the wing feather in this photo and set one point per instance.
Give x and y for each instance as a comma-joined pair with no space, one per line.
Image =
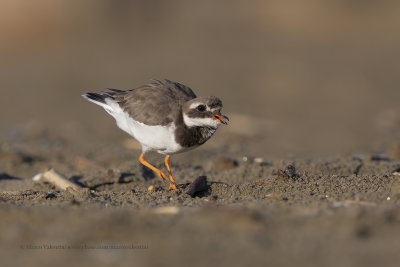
156,103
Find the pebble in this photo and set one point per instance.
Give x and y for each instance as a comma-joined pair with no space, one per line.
50,195
379,157
258,160
166,210
396,171
37,177
198,185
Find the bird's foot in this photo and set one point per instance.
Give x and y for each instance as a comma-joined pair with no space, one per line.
173,187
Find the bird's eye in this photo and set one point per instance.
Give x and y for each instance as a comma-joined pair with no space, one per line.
201,108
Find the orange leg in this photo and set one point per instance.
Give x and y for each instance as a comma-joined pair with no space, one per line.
172,184
160,174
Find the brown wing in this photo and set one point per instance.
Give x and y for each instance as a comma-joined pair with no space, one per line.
156,103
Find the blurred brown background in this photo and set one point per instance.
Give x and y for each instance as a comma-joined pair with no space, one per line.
300,76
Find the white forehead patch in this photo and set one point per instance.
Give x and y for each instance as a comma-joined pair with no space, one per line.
200,122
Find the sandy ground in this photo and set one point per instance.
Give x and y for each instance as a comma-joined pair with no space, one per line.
310,211
303,175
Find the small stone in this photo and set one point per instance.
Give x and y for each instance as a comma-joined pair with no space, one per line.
37,177
258,160
150,188
50,195
289,172
168,210
379,157
396,171
198,185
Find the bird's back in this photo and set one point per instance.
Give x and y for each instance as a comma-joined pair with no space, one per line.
156,103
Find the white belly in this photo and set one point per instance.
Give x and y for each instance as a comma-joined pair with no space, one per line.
152,138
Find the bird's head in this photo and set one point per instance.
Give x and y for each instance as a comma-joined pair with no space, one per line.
204,112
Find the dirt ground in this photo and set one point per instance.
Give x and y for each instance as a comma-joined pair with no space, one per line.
310,211
304,174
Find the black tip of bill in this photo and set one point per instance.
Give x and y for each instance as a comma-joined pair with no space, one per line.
222,118
225,120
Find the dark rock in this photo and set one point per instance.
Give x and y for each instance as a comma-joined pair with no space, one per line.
198,185
50,195
289,172
379,157
5,176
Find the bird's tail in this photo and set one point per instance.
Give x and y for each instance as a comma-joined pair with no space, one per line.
94,97
99,99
